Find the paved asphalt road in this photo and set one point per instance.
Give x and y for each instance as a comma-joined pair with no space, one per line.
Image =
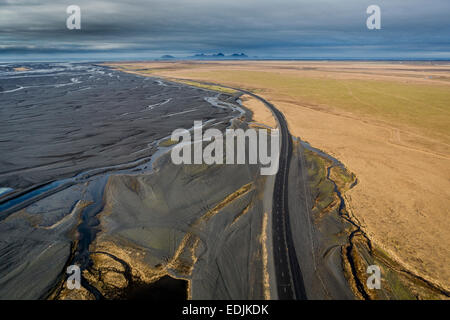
289,275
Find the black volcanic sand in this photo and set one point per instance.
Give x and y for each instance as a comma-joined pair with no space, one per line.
57,120
66,120
126,226
147,218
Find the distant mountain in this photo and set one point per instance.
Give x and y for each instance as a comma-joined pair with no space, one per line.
239,55
220,55
214,55
167,56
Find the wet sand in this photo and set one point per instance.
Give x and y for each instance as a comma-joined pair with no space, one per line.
78,141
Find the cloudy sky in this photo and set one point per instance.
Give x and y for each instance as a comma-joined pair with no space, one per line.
139,29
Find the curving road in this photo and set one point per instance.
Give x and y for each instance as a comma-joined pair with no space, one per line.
289,275
290,285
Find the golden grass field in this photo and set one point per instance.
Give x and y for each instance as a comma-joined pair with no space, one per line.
389,123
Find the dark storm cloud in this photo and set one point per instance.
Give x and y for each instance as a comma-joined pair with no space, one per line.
290,28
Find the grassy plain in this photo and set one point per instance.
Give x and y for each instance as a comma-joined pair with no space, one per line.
389,123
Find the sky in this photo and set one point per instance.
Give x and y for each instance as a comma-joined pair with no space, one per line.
146,29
